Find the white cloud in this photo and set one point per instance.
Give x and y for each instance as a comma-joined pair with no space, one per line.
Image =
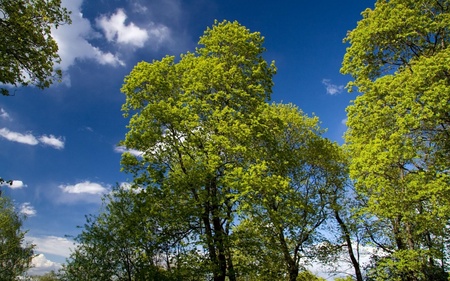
18,137
16,184
81,193
30,139
84,187
332,89
27,209
52,245
344,121
4,115
116,30
51,140
73,40
42,265
123,149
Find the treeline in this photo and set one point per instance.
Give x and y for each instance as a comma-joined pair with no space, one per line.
228,186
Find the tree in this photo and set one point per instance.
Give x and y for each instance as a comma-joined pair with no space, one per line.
125,242
289,186
15,253
349,228
28,52
398,132
192,121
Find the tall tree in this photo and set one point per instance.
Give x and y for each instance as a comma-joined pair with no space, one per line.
15,253
28,52
192,121
289,186
399,132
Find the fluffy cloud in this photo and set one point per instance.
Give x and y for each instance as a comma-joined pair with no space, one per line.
332,89
116,30
42,265
73,40
27,209
16,184
84,187
81,193
55,142
18,137
30,139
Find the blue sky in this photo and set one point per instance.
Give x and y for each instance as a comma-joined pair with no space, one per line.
60,144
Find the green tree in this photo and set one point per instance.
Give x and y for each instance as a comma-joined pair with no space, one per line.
308,276
289,185
399,130
125,242
27,49
15,253
192,121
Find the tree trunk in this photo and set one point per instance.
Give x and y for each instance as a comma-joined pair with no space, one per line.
292,266
219,243
346,233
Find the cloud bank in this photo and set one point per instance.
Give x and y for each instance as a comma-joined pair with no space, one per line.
53,245
41,265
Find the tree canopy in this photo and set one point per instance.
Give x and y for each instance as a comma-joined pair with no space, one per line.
228,186
28,52
15,252
398,130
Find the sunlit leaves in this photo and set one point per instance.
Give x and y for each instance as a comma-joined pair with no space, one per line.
15,252
399,126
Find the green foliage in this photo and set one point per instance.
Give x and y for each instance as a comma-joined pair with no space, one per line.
192,121
227,186
347,278
399,128
125,241
28,51
308,276
288,188
15,253
398,267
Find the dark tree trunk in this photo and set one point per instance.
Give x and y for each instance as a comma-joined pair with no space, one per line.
348,240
